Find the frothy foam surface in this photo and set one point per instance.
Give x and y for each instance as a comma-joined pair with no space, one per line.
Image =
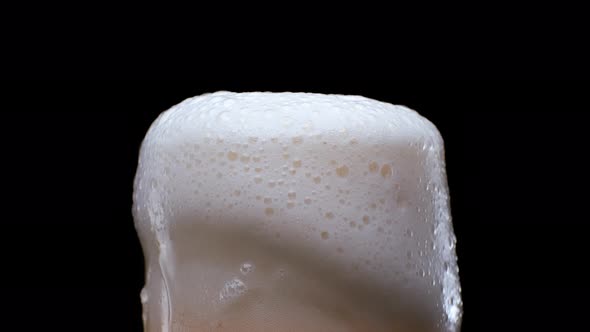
295,211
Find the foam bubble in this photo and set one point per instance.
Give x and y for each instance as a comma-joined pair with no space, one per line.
269,211
342,171
232,156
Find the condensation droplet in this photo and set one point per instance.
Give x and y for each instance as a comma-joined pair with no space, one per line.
269,211
325,235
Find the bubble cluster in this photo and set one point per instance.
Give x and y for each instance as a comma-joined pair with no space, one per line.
232,289
246,268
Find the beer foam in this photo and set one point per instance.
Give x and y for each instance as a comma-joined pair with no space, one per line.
249,198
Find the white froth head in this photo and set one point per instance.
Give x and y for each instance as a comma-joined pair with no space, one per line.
281,211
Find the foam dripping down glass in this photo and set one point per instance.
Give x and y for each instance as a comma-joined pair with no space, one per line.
295,212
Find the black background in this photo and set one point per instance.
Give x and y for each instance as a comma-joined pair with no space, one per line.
516,168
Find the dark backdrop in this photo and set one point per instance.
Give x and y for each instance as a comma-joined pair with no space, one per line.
516,168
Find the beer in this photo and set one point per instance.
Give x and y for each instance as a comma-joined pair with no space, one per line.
295,212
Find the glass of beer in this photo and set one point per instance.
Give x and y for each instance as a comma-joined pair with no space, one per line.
295,212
